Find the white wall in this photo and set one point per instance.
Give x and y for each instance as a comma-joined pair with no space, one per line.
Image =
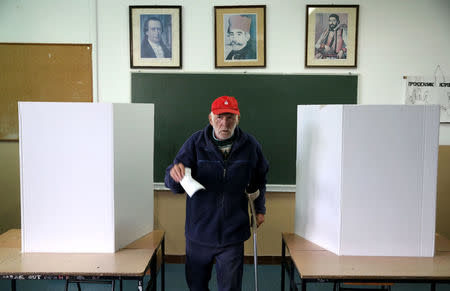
47,21
396,38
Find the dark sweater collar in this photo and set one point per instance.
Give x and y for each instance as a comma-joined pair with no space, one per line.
239,137
222,143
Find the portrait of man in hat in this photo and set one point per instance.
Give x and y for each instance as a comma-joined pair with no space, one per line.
240,40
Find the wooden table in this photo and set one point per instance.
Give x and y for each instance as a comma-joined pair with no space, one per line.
315,264
129,263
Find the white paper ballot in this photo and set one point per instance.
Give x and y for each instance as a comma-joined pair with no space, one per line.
189,184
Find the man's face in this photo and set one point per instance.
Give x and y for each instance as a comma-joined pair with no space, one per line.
154,31
239,38
224,124
332,22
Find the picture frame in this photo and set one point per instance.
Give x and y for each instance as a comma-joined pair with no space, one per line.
240,36
155,37
331,36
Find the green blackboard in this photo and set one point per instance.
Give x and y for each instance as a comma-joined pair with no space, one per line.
268,105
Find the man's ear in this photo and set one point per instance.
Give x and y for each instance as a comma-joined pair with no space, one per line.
210,118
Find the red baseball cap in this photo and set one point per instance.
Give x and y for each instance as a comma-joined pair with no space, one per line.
225,104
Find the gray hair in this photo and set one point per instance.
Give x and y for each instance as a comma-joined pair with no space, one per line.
212,115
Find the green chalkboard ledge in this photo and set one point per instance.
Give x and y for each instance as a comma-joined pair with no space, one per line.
270,187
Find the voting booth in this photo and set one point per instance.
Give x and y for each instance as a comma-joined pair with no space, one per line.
86,175
366,178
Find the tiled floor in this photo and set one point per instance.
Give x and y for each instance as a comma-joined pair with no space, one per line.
269,278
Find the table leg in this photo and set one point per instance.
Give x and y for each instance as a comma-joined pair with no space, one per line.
13,285
163,275
283,261
291,275
433,286
153,269
120,284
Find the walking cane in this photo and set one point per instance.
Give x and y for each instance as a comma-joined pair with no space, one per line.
251,197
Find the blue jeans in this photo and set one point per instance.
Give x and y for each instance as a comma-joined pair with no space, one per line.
229,266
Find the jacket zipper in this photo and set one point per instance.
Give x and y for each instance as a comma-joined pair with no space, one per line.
222,202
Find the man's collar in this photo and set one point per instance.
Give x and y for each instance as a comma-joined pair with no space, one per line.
153,44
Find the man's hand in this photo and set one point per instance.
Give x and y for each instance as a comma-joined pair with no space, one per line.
177,172
259,219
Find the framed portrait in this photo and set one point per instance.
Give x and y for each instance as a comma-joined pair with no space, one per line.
331,35
240,36
155,36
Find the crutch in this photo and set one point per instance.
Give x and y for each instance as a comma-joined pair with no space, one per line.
251,197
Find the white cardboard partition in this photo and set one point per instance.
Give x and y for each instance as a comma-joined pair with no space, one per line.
366,178
86,175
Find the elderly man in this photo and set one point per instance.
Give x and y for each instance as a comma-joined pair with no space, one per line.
332,42
229,163
152,46
240,40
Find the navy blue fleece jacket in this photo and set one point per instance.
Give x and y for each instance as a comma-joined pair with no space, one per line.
218,215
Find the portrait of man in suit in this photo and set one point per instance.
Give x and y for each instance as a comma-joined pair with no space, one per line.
156,36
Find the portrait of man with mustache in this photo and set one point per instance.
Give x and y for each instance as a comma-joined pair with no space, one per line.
238,38
332,43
